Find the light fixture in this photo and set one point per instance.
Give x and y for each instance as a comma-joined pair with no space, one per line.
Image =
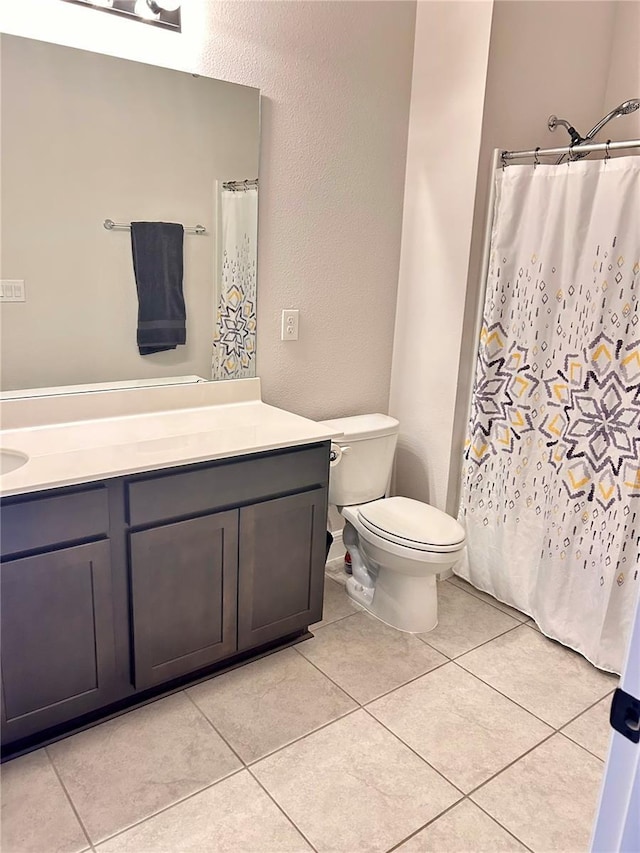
159,13
147,9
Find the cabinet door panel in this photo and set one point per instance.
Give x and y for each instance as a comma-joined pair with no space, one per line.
57,637
282,551
183,584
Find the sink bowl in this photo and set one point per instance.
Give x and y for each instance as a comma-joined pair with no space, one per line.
11,459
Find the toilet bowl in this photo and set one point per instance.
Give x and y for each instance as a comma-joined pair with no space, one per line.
397,545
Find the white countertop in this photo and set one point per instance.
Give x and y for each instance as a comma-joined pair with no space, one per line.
81,450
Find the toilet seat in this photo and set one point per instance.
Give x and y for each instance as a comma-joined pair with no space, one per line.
412,524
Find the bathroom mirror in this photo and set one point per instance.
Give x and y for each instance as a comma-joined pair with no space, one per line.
88,138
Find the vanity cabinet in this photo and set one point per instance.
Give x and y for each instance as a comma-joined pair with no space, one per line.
280,589
56,613
184,579
113,593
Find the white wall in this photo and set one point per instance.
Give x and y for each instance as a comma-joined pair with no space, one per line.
449,75
86,137
336,81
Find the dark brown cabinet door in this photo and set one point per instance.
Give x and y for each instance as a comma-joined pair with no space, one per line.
282,551
57,637
184,596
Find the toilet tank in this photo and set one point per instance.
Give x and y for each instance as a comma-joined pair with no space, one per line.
365,459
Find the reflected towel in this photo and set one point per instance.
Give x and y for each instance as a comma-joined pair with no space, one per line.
158,267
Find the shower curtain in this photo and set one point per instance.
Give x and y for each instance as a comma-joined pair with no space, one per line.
551,475
234,339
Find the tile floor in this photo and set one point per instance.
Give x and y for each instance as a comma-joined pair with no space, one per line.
480,736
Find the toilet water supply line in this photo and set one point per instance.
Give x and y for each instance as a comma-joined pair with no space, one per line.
359,572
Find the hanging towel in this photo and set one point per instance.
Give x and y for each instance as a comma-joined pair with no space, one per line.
158,267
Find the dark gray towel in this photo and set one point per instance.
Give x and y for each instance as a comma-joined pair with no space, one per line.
158,267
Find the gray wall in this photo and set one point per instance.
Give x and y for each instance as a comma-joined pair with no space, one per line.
336,79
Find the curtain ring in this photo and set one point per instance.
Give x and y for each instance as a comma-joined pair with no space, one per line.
536,159
503,159
607,156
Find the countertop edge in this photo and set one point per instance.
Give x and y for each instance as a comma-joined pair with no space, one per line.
131,470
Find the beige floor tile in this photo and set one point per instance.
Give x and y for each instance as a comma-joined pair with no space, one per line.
460,726
337,604
270,702
464,622
353,786
592,729
551,681
463,829
233,816
548,798
128,768
36,815
368,658
484,596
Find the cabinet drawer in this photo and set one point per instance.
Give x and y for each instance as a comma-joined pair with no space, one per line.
226,483
42,522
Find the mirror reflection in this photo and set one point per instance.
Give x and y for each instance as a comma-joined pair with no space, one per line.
88,138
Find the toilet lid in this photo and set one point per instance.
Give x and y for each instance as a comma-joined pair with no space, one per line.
412,523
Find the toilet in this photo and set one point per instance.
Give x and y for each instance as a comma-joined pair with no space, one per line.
397,545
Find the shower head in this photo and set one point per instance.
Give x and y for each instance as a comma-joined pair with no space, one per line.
622,109
629,107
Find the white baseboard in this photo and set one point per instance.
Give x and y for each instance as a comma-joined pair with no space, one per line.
337,546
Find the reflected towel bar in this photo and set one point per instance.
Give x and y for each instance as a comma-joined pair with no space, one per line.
236,186
109,224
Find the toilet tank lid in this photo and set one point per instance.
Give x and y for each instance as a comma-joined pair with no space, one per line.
360,427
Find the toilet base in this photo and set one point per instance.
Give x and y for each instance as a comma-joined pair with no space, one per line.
406,602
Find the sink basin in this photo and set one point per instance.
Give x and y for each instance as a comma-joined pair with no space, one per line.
11,459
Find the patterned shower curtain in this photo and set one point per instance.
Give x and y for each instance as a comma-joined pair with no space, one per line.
234,339
551,474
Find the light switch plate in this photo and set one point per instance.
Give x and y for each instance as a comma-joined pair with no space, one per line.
12,290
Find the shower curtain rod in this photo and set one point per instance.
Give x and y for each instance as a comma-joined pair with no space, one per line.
570,149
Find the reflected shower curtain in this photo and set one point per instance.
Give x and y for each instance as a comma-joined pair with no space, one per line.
234,339
551,476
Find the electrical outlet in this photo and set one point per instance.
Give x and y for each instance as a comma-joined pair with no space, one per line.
12,290
289,330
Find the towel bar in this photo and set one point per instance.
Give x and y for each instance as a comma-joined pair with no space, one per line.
109,224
